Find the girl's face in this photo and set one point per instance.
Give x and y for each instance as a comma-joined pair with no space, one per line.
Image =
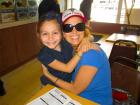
50,34
74,37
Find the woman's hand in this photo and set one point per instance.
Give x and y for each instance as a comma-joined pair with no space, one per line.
45,70
86,45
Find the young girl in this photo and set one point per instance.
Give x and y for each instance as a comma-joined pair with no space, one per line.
57,53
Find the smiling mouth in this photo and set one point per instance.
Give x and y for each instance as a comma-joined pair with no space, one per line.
74,37
50,43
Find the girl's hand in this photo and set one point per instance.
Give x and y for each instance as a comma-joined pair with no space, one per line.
86,45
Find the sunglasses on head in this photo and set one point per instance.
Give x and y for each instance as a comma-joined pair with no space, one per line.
69,27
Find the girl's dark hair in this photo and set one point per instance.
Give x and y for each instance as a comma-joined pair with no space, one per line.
47,17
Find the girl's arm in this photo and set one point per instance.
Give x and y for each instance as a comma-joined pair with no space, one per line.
81,81
87,43
69,67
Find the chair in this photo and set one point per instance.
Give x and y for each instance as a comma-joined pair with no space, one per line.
2,89
127,61
126,78
124,48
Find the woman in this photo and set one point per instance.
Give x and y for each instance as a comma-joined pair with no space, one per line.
47,6
85,7
91,78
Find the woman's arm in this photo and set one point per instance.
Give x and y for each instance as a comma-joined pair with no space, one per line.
81,81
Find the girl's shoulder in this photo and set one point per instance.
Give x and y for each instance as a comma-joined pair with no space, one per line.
65,44
44,49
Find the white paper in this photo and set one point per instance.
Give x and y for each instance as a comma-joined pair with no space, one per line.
54,97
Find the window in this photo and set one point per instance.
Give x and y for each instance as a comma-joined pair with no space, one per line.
112,11
104,10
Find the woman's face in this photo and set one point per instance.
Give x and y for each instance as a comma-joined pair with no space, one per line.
74,37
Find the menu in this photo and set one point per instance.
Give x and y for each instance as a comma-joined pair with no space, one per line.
54,97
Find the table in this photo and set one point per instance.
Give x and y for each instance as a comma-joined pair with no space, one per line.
116,36
106,46
45,89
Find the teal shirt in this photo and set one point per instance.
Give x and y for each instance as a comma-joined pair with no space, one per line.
99,90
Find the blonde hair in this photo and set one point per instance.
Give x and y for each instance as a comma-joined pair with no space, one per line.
88,34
